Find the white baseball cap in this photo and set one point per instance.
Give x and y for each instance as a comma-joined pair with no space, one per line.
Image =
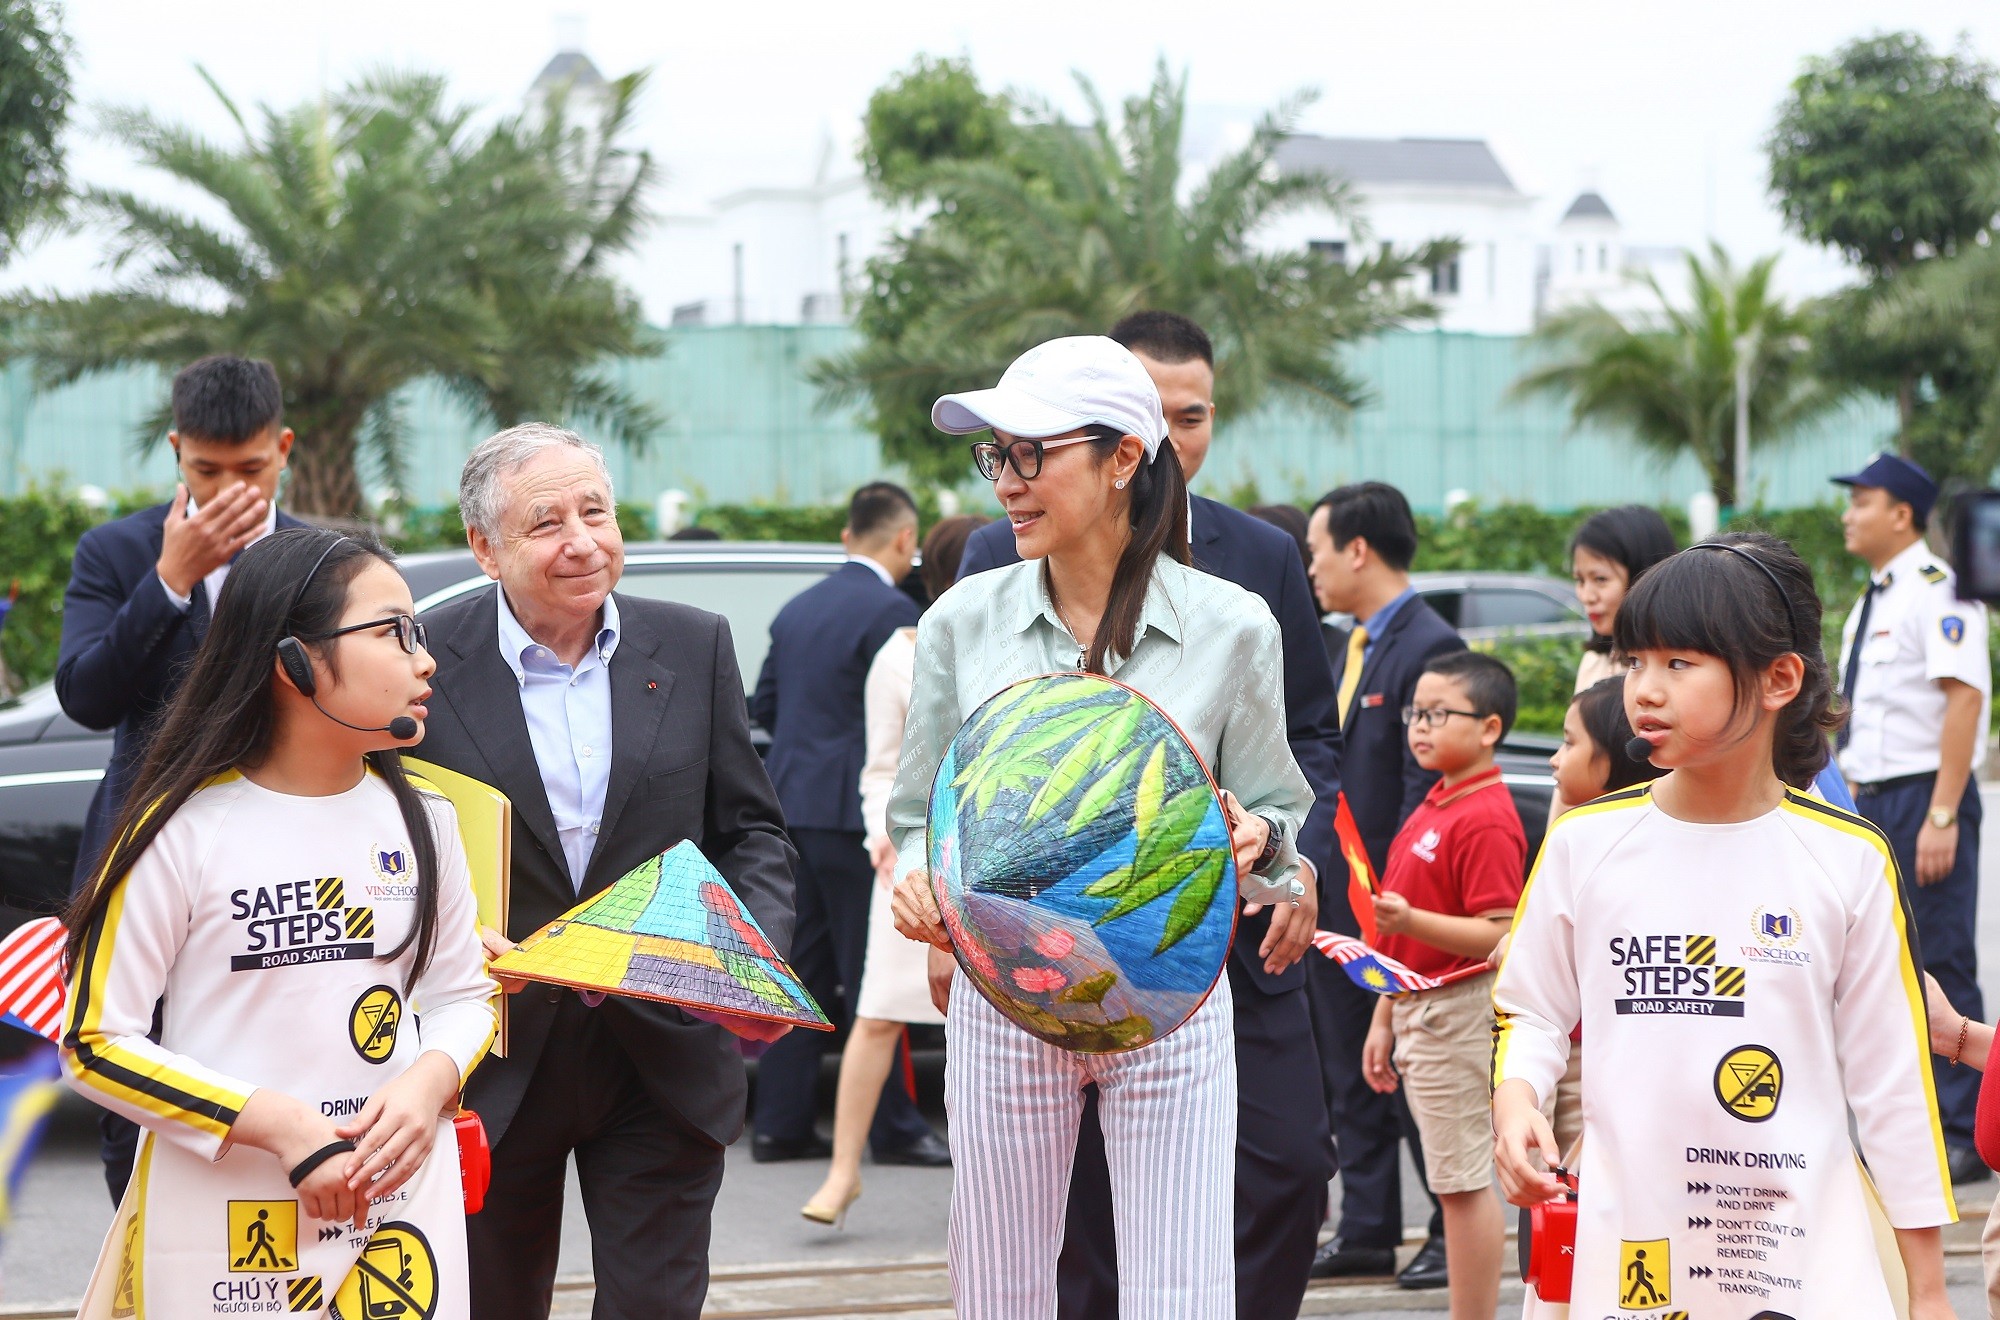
1059,386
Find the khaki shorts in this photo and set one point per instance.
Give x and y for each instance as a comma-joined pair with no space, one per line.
1444,1051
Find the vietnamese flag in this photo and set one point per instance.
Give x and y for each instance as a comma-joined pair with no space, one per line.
1360,875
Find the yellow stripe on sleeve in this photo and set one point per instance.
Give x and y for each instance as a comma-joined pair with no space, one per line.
122,1073
1833,817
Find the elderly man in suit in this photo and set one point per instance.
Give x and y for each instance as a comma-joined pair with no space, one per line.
142,588
809,699
1283,1157
617,726
1362,538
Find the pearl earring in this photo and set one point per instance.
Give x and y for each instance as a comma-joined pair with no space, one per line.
1120,483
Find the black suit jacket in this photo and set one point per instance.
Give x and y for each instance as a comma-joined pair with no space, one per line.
809,695
124,648
1384,782
1260,558
682,767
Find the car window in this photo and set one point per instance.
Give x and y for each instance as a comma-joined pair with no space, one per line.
748,596
1511,607
1447,604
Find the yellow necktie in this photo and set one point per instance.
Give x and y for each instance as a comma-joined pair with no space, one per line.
1350,677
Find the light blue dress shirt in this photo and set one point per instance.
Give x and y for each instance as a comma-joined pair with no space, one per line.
569,724
1378,622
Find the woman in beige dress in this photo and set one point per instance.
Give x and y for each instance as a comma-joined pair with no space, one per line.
894,989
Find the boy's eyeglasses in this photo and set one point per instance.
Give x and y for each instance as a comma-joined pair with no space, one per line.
1024,455
1433,717
408,632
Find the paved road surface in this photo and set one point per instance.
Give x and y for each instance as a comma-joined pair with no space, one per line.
64,1211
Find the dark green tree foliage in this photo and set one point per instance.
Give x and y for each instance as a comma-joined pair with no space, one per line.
1062,229
934,111
1882,150
366,242
1890,152
34,107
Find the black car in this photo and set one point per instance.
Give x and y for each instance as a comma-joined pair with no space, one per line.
50,765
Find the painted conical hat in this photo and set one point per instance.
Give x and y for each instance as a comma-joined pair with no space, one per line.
669,929
1081,860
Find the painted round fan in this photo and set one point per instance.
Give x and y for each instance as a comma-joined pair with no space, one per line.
1082,864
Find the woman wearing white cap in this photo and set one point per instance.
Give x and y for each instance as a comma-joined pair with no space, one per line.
1099,510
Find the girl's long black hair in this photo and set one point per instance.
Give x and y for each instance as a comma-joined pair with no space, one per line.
1159,517
1631,536
1720,604
223,715
1601,707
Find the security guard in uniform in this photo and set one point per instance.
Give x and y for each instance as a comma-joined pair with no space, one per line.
1916,678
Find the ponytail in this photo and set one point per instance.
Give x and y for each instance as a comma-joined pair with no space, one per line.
1159,518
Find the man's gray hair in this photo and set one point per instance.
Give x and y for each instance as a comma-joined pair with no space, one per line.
481,498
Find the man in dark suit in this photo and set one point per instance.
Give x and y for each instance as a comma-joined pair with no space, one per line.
1362,539
142,589
617,727
1283,1158
809,700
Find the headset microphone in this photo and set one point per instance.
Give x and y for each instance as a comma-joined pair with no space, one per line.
292,656
402,728
1638,749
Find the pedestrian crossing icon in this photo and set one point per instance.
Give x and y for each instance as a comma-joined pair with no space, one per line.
1645,1275
263,1237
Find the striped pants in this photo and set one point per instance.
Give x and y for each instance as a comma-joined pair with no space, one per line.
1169,1115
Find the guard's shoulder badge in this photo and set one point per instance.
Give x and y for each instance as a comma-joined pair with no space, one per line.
1953,628
1933,574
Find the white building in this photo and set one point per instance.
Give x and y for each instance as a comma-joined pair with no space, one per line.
793,255
1588,260
1410,191
772,256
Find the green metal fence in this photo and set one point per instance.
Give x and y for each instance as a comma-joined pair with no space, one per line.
745,426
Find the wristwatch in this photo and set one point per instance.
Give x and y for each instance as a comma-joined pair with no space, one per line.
1272,843
1943,817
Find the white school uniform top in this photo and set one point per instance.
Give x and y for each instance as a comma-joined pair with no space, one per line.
259,918
1741,986
1919,631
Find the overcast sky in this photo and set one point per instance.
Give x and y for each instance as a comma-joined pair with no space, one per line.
1662,107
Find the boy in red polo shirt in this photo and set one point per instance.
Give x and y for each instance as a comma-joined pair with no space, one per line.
1454,876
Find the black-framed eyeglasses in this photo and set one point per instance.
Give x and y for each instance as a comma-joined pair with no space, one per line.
1023,454
408,632
1433,717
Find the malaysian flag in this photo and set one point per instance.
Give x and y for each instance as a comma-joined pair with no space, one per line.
33,994
1372,971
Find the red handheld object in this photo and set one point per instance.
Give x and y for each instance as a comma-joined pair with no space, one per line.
475,1159
1548,1244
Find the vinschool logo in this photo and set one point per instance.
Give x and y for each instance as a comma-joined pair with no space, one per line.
1778,932
394,874
1675,974
300,921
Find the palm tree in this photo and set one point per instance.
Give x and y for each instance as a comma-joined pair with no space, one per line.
368,242
1071,228
1670,381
